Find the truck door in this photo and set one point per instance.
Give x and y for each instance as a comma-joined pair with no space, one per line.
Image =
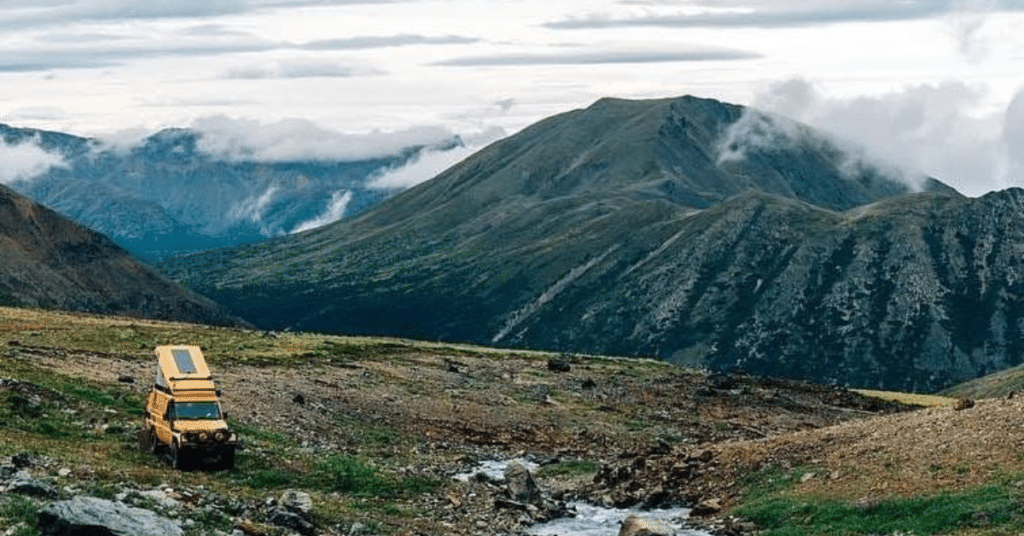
161,410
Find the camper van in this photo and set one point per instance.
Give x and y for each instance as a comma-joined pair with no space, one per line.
184,419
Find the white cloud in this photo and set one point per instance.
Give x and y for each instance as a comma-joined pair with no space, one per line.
765,131
966,22
790,14
756,130
253,209
941,130
45,57
386,41
122,141
26,160
1013,141
35,113
297,69
300,139
676,53
334,212
25,14
429,163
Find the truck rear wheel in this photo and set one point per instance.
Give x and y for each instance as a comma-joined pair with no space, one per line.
154,442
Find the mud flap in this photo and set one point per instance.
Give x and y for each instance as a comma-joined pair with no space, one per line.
144,440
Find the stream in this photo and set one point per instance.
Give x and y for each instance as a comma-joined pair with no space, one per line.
590,520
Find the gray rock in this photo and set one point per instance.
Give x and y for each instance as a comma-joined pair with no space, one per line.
34,488
520,484
299,502
359,529
638,526
161,498
708,507
22,460
283,517
8,472
100,517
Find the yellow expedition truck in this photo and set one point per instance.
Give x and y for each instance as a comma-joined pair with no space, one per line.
184,419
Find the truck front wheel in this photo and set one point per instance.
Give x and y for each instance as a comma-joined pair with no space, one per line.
227,459
178,458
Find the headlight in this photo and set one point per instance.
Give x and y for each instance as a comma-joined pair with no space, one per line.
220,436
203,436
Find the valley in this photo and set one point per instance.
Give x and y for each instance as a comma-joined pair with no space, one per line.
374,429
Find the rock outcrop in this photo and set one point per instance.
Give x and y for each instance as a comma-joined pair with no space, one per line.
100,517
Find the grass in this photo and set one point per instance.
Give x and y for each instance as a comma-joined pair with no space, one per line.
570,468
19,512
133,337
769,501
44,410
913,399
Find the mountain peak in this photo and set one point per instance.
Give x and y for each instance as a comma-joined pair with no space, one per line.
688,151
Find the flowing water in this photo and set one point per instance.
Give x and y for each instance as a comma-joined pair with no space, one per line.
590,520
593,520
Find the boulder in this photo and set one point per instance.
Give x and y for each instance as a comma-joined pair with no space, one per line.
520,484
359,529
707,507
22,460
100,517
34,488
299,502
283,517
524,495
557,365
638,526
10,472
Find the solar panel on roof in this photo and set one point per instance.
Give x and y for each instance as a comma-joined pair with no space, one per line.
183,359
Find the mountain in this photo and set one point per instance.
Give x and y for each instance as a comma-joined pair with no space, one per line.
168,195
696,231
48,261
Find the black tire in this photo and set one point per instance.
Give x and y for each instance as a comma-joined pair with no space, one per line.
227,459
154,442
178,458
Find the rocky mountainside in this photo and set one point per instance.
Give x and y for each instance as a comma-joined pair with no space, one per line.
687,229
168,195
48,261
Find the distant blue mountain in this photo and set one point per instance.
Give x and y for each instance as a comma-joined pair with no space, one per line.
165,196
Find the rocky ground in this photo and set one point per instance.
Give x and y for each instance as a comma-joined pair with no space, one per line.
607,431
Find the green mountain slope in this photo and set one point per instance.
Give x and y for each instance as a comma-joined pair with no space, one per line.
621,229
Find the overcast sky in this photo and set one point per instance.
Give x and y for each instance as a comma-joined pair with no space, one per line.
927,83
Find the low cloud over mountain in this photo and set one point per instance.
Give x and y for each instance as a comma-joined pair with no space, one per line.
222,182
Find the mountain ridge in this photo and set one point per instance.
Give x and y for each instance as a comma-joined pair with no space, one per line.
599,246
51,262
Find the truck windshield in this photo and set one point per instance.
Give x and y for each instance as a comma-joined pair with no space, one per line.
196,410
